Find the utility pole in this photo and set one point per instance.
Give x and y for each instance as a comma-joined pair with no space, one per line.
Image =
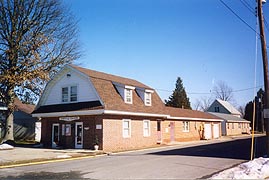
265,72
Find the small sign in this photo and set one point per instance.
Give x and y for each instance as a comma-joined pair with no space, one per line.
98,126
69,118
266,113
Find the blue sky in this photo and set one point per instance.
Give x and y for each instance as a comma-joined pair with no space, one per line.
156,41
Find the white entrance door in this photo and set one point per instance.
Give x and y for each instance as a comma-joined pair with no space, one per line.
79,135
207,131
216,131
55,135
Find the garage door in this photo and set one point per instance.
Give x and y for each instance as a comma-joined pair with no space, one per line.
207,131
216,131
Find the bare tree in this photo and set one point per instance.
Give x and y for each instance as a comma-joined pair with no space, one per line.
241,109
37,37
203,103
222,91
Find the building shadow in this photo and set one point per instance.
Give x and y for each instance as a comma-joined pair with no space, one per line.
237,149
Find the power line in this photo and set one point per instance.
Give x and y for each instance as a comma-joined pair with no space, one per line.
248,7
234,91
238,16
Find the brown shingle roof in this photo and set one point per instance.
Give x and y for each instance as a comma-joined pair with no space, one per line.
112,100
110,77
27,108
178,112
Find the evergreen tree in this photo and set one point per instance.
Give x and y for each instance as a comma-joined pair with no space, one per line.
179,97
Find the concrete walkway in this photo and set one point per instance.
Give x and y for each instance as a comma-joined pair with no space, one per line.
23,156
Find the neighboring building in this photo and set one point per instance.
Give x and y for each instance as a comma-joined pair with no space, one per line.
220,106
80,105
24,124
232,123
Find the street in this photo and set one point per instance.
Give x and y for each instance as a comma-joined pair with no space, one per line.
192,162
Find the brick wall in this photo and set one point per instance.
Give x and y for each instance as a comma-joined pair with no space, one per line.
193,134
89,132
179,134
109,131
237,128
113,139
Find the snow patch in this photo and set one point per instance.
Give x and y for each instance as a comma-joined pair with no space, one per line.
255,169
5,147
63,156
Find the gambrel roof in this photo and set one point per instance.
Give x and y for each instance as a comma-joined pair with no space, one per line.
111,102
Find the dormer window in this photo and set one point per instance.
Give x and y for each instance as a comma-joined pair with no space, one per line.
128,96
147,98
69,94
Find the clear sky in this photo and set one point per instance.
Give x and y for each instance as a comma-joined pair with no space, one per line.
156,41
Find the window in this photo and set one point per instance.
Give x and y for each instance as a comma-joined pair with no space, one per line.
73,93
128,95
65,94
232,125
216,109
69,94
126,126
146,128
147,98
186,126
239,125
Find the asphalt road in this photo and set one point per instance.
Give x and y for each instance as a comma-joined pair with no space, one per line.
166,163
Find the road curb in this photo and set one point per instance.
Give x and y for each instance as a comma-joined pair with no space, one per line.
49,161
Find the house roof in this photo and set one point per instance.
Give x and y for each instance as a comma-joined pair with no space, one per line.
111,101
111,78
187,113
19,106
27,108
104,85
228,106
80,106
229,117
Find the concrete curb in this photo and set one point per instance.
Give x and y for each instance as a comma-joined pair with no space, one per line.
18,164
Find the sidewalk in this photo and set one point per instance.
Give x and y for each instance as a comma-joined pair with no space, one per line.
25,155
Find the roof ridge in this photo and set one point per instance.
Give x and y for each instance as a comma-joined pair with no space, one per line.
109,77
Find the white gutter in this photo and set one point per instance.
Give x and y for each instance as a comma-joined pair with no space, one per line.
134,113
235,121
113,112
194,119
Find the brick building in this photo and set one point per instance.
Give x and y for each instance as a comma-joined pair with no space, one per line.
81,106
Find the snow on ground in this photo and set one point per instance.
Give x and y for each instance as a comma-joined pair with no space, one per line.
255,169
5,146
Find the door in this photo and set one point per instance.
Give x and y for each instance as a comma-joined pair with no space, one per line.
172,131
159,132
55,137
207,131
216,131
79,135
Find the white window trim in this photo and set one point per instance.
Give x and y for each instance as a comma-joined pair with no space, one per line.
125,96
184,126
69,93
150,98
144,134
130,126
